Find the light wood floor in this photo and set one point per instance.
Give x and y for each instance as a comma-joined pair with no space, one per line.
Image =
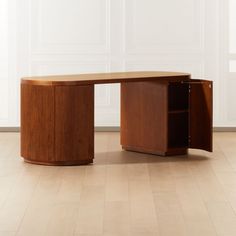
122,193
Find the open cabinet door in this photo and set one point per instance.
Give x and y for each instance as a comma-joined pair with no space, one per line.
200,115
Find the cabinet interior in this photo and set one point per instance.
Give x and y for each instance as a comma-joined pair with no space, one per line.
178,115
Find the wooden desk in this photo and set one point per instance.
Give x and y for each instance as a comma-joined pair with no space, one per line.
162,113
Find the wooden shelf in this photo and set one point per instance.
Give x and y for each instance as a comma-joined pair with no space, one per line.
178,111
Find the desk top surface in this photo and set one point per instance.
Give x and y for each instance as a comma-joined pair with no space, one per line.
106,78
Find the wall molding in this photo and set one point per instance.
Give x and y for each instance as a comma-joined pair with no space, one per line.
40,45
117,129
118,36
152,45
97,129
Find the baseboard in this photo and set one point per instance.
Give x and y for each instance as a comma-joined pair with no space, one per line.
97,129
9,129
224,129
107,129
117,129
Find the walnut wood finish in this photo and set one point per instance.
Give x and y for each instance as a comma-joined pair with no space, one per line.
37,123
144,119
103,78
74,123
200,120
57,124
158,115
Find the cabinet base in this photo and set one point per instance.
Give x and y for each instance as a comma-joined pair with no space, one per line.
60,163
170,152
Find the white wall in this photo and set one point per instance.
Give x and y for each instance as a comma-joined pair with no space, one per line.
46,37
8,69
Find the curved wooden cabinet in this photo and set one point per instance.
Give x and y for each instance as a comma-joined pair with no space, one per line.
162,113
57,124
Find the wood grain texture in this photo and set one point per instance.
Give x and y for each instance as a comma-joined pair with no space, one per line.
144,110
195,195
74,123
37,123
200,119
101,78
157,115
162,118
57,124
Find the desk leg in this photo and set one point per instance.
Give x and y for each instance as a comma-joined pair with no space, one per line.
57,124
